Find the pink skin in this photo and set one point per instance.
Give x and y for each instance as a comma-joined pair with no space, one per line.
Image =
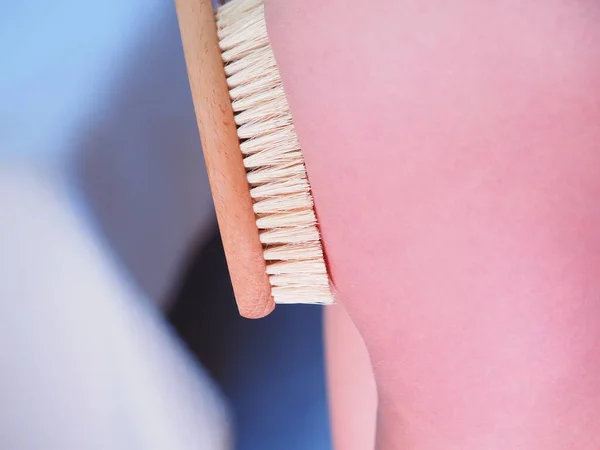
454,153
351,388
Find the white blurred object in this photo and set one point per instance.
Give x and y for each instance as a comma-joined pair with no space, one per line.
86,363
102,193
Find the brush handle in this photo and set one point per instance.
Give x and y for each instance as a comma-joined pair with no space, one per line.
224,164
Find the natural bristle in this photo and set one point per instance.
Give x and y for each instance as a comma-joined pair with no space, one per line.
273,159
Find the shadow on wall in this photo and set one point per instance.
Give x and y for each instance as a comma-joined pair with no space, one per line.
140,164
271,369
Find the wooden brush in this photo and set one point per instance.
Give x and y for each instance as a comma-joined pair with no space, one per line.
253,157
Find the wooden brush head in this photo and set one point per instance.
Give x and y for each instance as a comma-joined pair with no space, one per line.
255,165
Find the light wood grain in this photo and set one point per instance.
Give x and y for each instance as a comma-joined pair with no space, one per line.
226,171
